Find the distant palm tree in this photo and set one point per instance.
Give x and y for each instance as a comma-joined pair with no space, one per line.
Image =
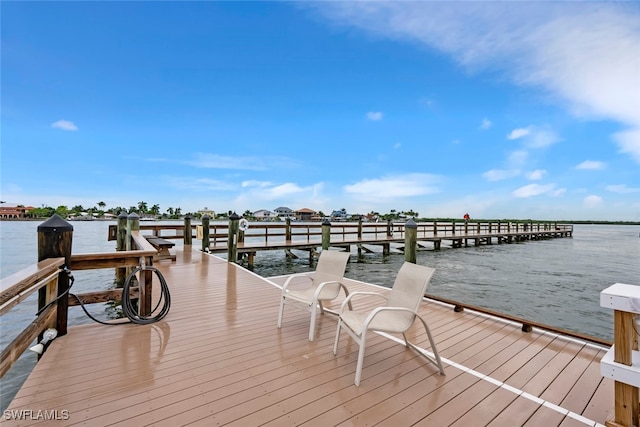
102,205
142,207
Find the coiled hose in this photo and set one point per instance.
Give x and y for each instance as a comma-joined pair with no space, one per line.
128,307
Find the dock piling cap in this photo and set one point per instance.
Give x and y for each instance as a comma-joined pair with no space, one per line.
54,224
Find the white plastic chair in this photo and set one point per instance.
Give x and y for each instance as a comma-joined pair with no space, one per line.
396,316
325,282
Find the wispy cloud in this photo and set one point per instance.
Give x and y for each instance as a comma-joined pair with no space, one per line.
500,174
518,133
533,190
591,165
486,124
592,201
393,187
534,136
217,161
198,184
582,54
536,174
64,125
374,115
621,189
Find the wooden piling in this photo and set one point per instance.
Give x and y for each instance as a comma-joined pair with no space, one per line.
205,233
410,241
121,237
55,237
232,242
187,231
287,230
326,234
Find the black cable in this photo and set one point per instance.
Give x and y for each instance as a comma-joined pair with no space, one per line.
128,308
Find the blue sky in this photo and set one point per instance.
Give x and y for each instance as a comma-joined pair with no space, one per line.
499,109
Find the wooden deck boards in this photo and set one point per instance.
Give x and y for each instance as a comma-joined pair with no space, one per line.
219,359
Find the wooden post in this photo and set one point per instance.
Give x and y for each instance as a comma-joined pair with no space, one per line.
55,237
232,242
410,241
326,234
389,228
205,233
626,396
133,224
187,235
453,228
121,237
287,230
359,236
618,364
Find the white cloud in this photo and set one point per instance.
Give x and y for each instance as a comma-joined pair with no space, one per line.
533,190
621,189
199,184
374,115
534,137
629,142
518,133
536,174
486,124
393,187
592,201
541,138
255,183
216,161
582,54
396,145
64,125
500,174
591,165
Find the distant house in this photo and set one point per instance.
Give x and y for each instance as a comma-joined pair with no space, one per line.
340,215
306,214
207,211
264,215
14,211
284,212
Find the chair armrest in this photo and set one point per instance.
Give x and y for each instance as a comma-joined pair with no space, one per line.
348,299
323,284
379,310
294,276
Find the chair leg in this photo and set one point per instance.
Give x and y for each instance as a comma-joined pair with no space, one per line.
280,312
362,342
335,343
312,327
437,360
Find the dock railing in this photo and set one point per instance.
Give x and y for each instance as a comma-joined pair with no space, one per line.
50,278
266,233
622,362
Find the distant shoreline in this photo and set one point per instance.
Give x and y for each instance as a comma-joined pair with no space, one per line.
581,222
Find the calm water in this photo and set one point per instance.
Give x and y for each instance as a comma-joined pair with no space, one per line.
555,281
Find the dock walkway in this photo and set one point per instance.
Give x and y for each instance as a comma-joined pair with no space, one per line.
218,358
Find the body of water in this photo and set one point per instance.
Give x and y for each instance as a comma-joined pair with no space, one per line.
555,281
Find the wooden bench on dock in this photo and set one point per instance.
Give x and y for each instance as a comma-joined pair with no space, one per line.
162,245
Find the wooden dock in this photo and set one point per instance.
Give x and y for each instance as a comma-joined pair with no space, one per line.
218,358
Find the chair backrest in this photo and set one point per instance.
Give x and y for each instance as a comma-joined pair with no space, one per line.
410,286
331,266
